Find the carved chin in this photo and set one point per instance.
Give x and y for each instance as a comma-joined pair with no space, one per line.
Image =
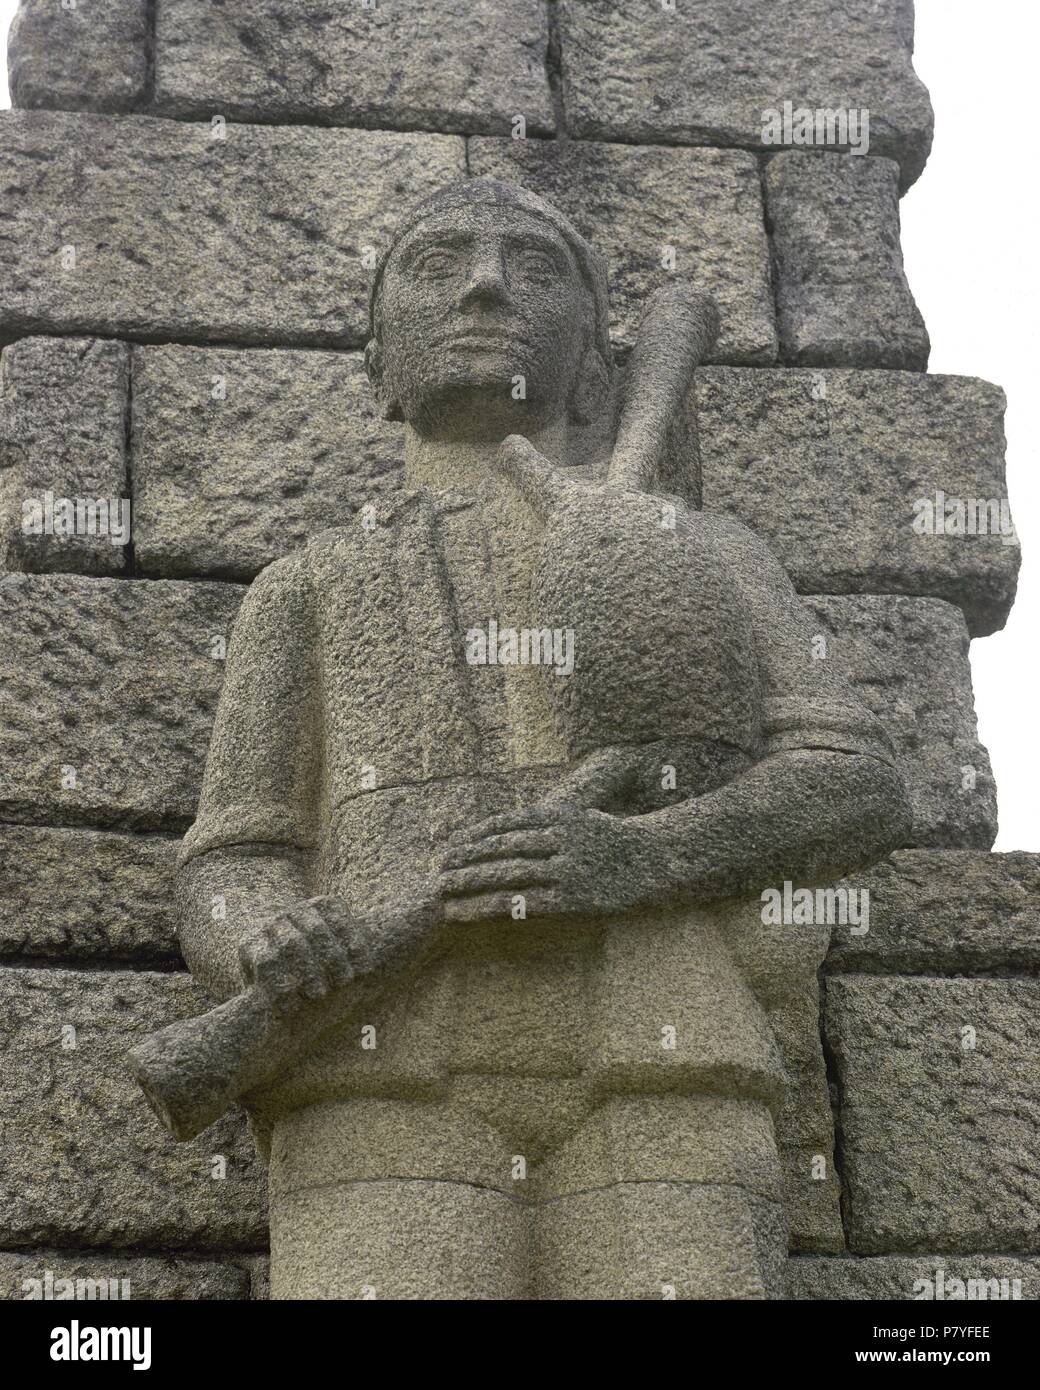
481,392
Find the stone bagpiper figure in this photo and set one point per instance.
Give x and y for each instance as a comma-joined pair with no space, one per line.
494,1003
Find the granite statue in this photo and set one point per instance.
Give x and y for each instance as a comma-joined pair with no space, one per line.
499,768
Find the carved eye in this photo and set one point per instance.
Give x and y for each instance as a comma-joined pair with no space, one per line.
436,265
538,263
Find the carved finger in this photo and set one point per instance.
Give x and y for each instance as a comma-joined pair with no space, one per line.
501,874
326,948
284,965
531,818
516,844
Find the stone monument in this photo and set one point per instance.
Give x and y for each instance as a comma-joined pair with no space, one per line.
507,954
545,856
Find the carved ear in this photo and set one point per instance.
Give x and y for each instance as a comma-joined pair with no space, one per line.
591,389
375,367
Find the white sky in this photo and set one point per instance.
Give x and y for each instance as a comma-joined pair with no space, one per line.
970,242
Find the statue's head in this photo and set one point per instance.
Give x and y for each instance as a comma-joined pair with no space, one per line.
489,316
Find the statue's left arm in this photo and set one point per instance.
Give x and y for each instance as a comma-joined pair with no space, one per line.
826,796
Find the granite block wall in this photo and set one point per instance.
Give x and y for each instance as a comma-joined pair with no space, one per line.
194,199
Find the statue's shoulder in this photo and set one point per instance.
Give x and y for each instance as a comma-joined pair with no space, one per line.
357,541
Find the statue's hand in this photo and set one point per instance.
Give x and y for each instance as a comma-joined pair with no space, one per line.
563,860
298,954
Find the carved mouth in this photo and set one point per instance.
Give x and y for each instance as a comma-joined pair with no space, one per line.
496,340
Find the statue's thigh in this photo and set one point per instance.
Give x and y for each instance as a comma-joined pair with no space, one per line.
392,1199
663,1197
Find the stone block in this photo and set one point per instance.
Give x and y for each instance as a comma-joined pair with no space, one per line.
239,457
91,56
82,1275
826,466
85,1163
834,468
907,659
108,696
929,1278
946,912
86,895
111,687
940,1103
64,497
360,1240
657,214
650,1240
842,294
710,73
149,228
456,66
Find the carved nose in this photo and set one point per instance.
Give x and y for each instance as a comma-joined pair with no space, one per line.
486,283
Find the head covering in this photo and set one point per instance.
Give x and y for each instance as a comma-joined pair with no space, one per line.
467,193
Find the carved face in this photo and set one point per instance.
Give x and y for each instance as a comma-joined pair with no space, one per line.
482,324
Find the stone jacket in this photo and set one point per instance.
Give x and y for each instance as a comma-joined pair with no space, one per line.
352,731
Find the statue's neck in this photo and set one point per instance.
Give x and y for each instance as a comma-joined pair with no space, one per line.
441,465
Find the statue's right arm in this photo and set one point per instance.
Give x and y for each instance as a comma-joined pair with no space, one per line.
247,857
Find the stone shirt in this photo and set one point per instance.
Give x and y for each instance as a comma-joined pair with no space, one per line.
371,738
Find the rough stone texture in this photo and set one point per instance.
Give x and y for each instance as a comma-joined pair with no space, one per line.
177,236
260,1276
64,404
90,57
842,295
86,895
264,238
25,1275
291,443
880,1277
457,66
84,1161
705,204
90,656
903,1277
691,634
827,467
647,1240
812,1204
398,1240
115,679
705,73
908,662
940,1103
947,912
